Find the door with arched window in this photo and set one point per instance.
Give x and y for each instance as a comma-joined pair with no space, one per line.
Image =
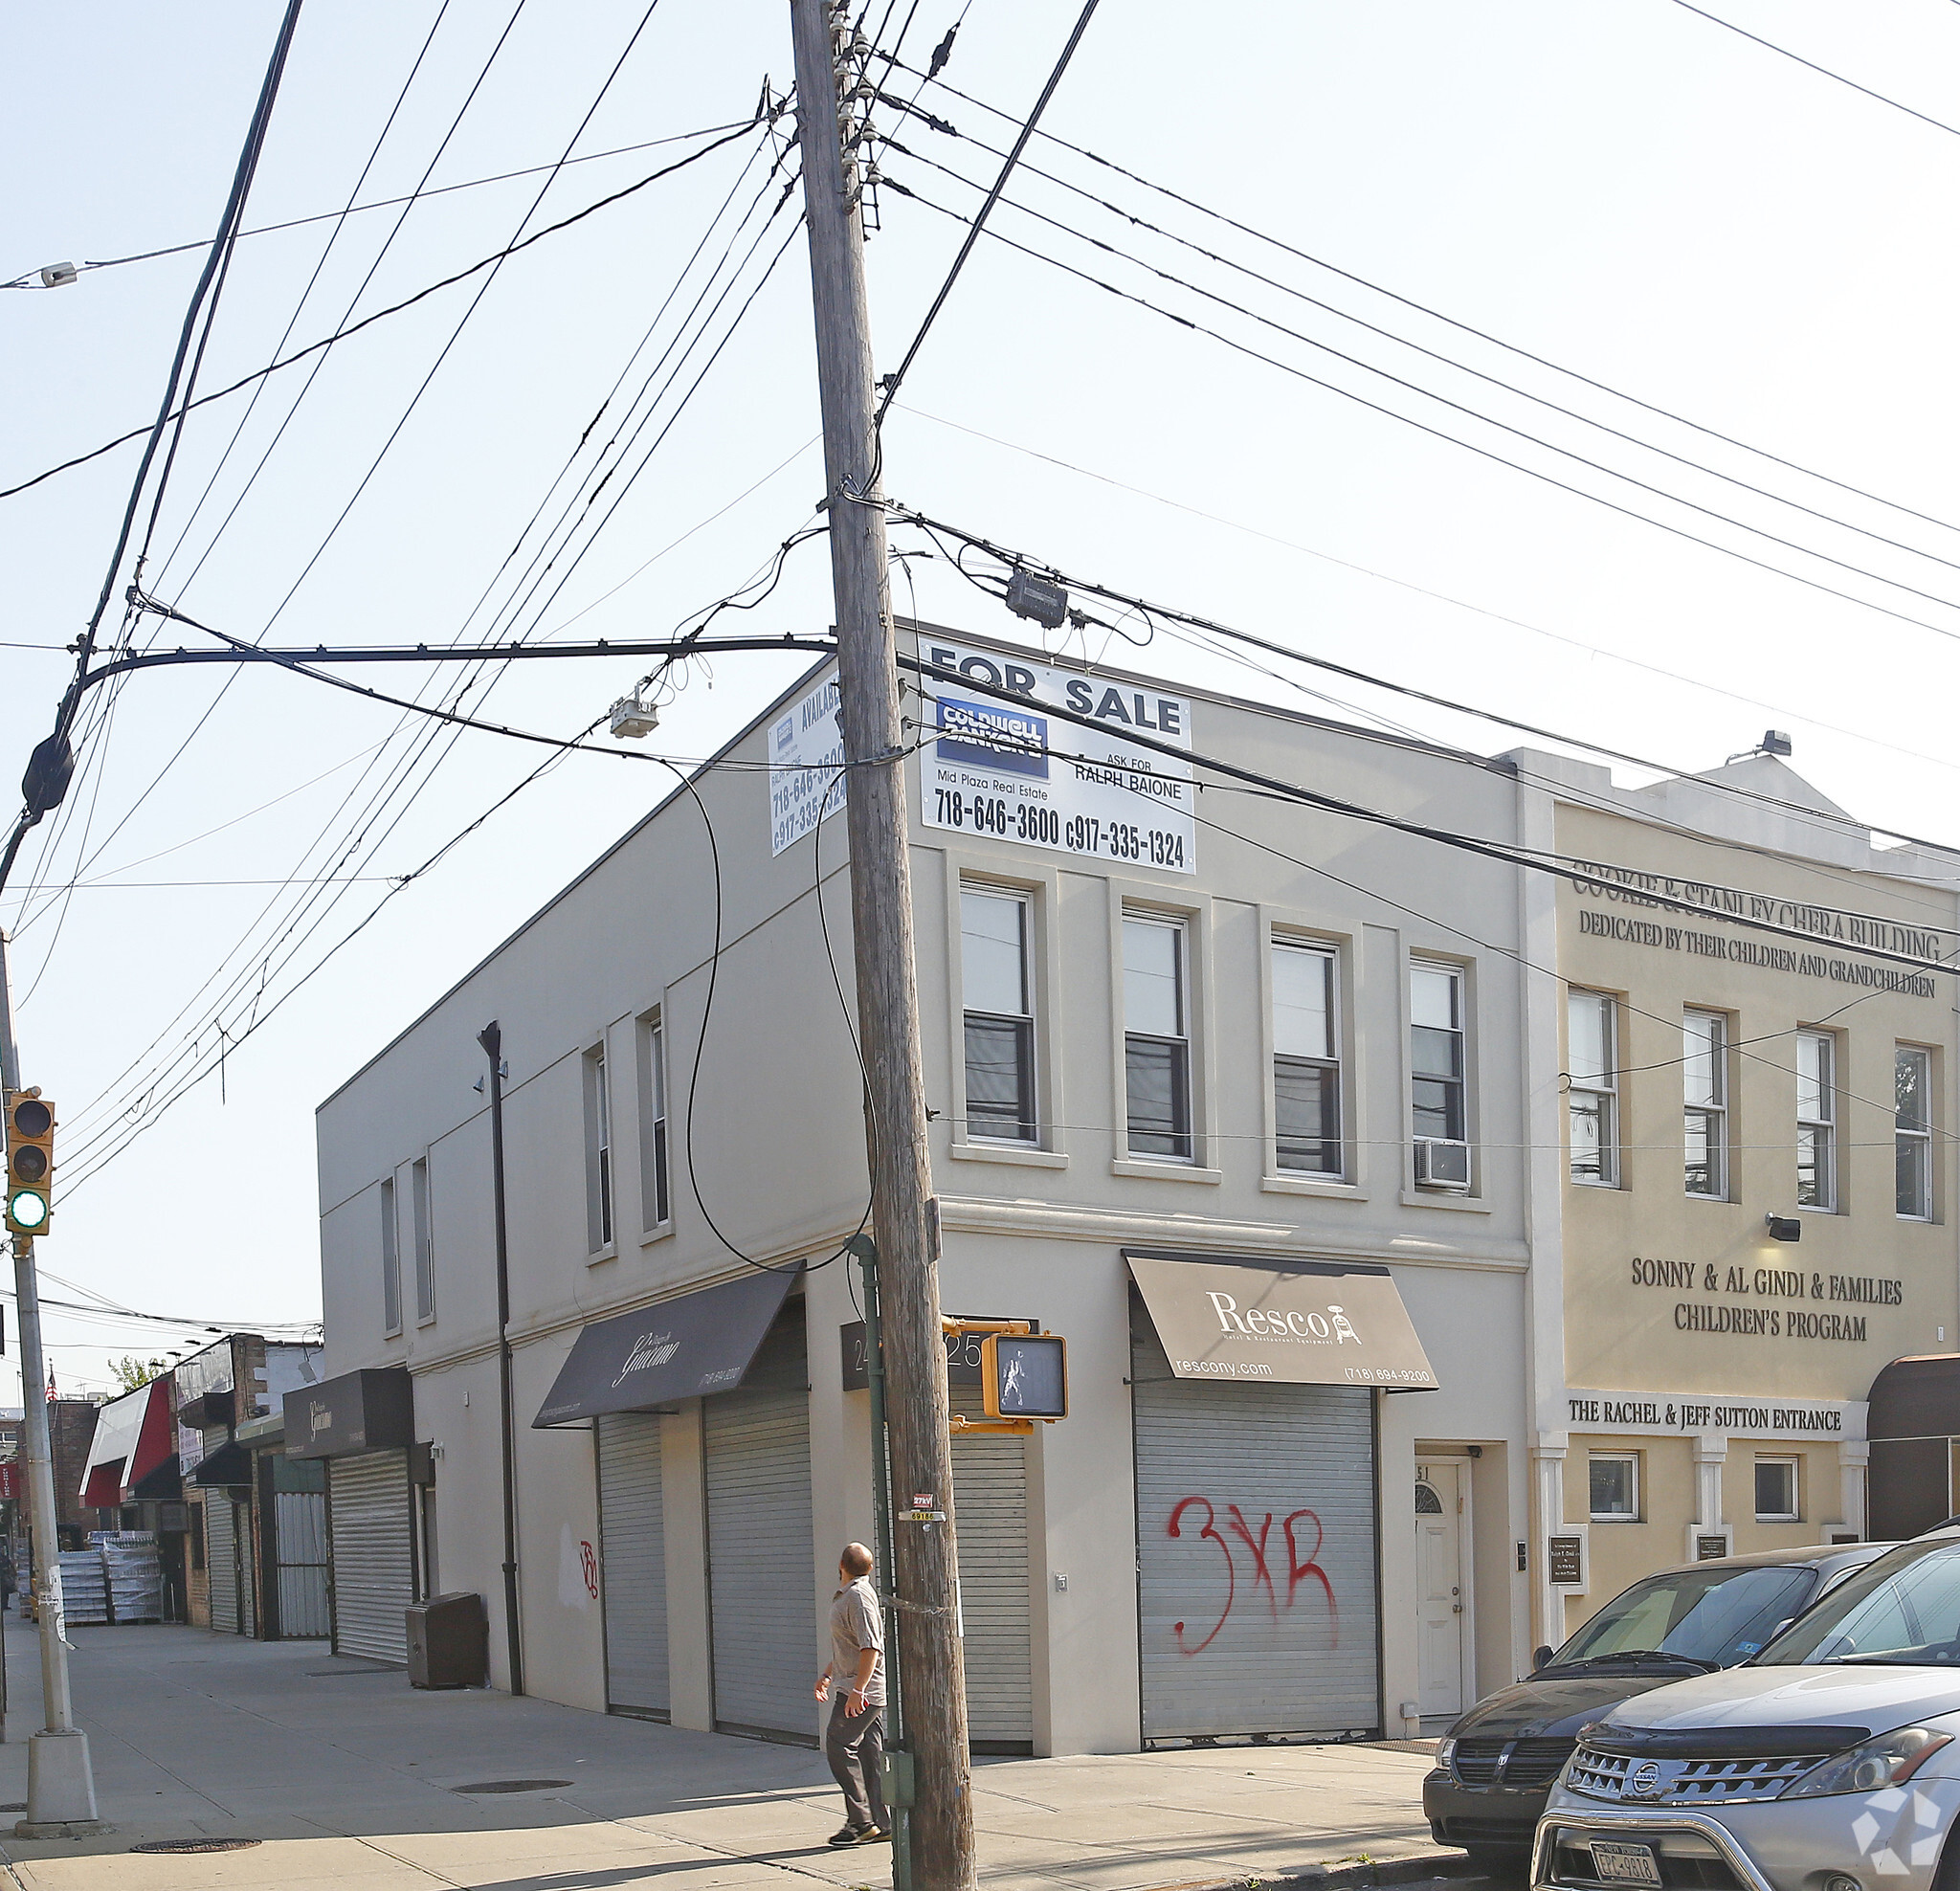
1442,1587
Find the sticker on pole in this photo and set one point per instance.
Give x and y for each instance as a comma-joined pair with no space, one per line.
1003,767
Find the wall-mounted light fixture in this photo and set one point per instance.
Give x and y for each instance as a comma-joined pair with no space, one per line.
1783,1226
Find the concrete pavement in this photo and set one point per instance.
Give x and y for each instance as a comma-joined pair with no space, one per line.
348,1777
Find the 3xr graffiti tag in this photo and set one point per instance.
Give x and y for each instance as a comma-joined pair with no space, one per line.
1299,1567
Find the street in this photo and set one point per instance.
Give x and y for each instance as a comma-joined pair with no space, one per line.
336,1773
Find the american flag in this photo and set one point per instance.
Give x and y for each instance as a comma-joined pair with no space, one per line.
51,1382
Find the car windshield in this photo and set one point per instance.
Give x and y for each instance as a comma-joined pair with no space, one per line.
1905,1608
1719,1615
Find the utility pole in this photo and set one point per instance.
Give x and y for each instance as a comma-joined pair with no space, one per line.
923,1579
491,1038
60,1781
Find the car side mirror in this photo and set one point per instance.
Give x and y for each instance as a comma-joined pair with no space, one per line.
1541,1657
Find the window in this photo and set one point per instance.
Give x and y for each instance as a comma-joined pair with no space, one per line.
653,1121
1593,1085
1156,1018
999,1015
425,1246
390,1262
1307,1059
1615,1485
1912,1083
599,1152
1436,1035
1776,1490
1705,1099
1817,1119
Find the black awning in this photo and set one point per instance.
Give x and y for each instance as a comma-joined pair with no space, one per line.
228,1464
372,1410
1916,1397
676,1348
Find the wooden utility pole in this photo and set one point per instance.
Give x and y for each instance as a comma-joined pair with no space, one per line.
923,1582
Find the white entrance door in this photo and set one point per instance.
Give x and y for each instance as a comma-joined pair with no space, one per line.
1442,1601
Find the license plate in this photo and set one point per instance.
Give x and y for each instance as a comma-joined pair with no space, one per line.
1624,1864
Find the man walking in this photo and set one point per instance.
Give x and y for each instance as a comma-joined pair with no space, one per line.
854,1742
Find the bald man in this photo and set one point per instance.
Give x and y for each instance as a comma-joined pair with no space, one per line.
854,1742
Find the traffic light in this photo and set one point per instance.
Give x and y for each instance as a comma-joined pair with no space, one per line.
1024,1375
30,1161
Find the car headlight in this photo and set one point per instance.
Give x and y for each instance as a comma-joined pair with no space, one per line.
1889,1760
1446,1750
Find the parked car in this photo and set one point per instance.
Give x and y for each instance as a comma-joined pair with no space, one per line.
1495,1765
1829,1762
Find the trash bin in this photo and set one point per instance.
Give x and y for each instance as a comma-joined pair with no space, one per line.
449,1642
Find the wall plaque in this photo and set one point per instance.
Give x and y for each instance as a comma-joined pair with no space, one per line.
1565,1557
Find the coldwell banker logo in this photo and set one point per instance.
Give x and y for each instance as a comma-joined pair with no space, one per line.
648,1350
785,736
993,736
1258,1322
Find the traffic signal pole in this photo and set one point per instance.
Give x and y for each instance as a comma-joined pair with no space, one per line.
61,1780
924,1577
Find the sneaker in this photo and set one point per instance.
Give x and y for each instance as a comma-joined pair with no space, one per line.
852,1834
875,1834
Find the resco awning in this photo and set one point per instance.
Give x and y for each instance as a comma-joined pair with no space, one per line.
1286,1323
676,1348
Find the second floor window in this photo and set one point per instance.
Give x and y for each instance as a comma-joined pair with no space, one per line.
1156,1041
1436,1060
999,1015
390,1261
1913,1140
1817,1119
425,1240
599,1152
1306,1060
653,1121
1704,1103
1593,1087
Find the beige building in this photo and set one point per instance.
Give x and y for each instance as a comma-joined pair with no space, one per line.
1743,1142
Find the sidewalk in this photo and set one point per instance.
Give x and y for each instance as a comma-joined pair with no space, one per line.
351,1779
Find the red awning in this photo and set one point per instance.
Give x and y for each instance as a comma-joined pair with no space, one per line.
104,1489
156,1443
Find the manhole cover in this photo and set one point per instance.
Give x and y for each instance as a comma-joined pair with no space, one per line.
197,1845
511,1786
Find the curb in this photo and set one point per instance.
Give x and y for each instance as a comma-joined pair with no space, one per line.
1424,1865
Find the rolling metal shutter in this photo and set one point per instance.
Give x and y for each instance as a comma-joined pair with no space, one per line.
1257,1546
248,1571
372,1568
299,1530
633,1563
764,1626
991,1511
221,1560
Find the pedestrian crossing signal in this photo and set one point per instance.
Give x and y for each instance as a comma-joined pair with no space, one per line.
1024,1375
30,1161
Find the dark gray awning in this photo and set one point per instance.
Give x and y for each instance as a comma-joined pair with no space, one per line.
676,1348
1299,1322
371,1409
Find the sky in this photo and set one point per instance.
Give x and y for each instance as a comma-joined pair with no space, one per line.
1743,262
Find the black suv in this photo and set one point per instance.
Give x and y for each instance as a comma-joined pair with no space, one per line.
1496,1766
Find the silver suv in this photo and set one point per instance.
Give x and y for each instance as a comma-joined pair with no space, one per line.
1829,1762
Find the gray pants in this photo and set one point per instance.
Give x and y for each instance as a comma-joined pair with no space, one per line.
854,1748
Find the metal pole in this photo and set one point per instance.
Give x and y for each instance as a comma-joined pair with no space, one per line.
60,1781
924,1567
491,1038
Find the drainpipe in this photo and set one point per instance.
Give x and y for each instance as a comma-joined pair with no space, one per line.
491,1038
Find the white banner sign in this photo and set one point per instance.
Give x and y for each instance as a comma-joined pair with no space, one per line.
1005,771
1740,1415
806,766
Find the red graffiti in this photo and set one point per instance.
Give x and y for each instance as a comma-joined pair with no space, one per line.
588,1564
1298,1567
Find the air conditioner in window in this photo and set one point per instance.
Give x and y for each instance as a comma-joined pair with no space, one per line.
1441,1165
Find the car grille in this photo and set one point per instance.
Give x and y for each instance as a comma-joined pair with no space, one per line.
1519,1762
1573,1864
1687,1782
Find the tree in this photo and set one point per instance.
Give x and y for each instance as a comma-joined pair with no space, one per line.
132,1374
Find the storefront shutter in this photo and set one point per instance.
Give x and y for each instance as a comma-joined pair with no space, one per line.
633,1562
1259,1616
247,1575
299,1525
221,1560
764,1628
990,1508
373,1565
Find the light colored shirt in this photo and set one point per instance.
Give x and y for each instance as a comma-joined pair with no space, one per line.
856,1625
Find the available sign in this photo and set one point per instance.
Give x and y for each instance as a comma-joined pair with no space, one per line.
1003,768
1738,1414
806,766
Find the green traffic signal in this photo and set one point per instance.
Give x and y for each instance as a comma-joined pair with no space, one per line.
26,1209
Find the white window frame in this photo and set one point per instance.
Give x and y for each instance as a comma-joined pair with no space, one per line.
1028,1134
656,1167
1601,1087
1459,983
424,1221
1918,1137
1818,1127
1630,1458
1714,1116
1794,1466
1332,1064
391,1262
596,1088
1179,928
